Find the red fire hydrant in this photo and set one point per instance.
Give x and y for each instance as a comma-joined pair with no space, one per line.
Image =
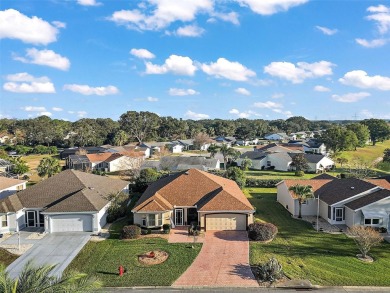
121,271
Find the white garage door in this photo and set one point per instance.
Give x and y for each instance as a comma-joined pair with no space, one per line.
71,223
225,222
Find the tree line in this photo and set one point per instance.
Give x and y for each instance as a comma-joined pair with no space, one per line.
134,126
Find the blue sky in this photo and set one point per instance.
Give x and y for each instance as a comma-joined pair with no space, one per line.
195,59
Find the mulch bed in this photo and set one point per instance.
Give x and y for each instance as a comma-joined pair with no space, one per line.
154,257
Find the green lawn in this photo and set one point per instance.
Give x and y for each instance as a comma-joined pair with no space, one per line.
368,153
6,258
266,174
322,258
103,259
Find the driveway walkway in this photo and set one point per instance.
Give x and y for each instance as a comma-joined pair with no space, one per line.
54,248
222,262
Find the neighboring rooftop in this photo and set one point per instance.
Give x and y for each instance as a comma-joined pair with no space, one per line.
6,182
368,199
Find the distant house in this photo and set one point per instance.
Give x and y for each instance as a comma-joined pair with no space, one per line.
5,166
129,150
72,151
71,201
342,201
258,159
188,144
10,186
155,147
78,162
277,136
317,163
173,163
228,140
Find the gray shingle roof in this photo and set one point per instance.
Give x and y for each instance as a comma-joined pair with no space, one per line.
253,155
368,199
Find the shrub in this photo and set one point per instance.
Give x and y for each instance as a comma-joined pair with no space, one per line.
131,232
149,231
118,206
262,231
256,182
166,228
270,271
299,173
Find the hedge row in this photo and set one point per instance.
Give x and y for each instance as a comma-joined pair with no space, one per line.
256,182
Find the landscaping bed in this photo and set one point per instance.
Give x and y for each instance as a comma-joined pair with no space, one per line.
6,258
324,259
104,258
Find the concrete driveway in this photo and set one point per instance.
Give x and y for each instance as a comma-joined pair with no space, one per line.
54,248
222,262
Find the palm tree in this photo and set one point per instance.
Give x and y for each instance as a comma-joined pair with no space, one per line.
120,138
19,166
213,149
303,192
227,152
48,167
37,279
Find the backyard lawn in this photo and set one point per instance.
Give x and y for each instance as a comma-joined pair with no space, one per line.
102,259
266,174
322,258
6,258
368,154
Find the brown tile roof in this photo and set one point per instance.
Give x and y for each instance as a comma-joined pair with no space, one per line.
314,183
71,191
368,199
9,182
10,204
380,182
194,187
99,157
293,147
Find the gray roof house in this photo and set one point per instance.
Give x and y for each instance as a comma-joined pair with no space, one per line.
69,201
173,163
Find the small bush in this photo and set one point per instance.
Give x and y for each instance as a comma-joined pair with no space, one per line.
299,173
166,228
131,232
262,231
266,183
149,231
270,271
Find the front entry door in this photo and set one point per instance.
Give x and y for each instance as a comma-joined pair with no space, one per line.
339,214
179,217
30,218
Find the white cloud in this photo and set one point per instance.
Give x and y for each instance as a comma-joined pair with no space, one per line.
350,97
381,16
45,113
88,3
228,17
34,30
57,109
33,109
298,73
320,88
286,113
240,114
182,92
268,7
224,68
151,99
25,83
81,114
164,12
268,105
277,96
87,90
142,53
59,24
24,76
196,116
327,31
360,79
189,31
242,91
366,113
175,64
45,57
372,44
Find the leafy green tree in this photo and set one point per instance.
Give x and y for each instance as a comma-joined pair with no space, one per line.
213,150
227,152
120,138
140,125
342,161
302,192
361,131
349,141
299,162
379,129
48,167
386,155
333,138
20,166
237,175
246,164
34,279
146,176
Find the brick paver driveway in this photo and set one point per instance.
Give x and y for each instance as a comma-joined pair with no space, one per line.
223,261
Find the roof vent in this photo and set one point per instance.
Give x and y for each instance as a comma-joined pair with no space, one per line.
92,188
352,187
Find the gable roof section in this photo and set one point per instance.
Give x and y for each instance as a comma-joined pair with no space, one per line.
315,184
71,191
100,157
6,182
195,187
339,190
10,204
253,155
311,158
380,182
368,199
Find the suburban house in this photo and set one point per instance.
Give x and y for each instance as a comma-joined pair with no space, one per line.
69,201
194,197
310,146
228,140
317,163
189,144
129,150
72,151
108,162
341,201
173,163
258,159
10,186
5,166
277,136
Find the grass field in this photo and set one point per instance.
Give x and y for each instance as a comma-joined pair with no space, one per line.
322,258
281,175
33,162
368,154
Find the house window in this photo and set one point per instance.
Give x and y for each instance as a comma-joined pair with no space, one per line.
4,221
268,163
373,221
152,220
19,187
367,221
